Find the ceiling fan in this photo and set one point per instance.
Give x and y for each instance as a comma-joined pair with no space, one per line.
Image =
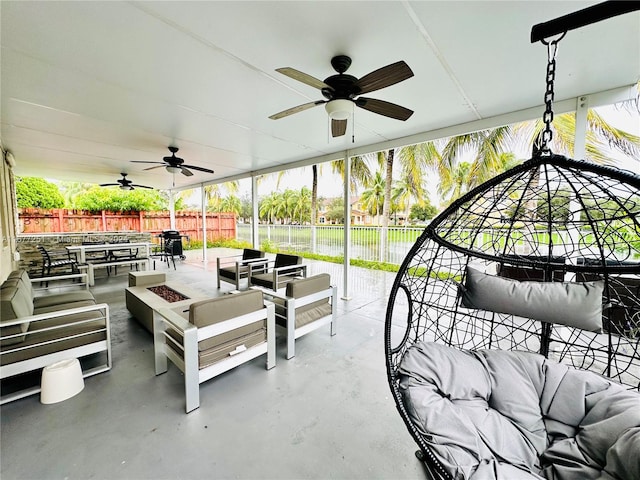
175,164
124,184
341,91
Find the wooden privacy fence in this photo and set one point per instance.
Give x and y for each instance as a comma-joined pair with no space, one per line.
58,220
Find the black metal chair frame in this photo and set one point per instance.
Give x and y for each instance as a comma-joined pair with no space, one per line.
548,219
52,259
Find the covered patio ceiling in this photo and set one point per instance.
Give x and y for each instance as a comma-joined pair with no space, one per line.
87,87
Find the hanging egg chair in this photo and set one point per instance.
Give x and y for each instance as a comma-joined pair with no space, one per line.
543,258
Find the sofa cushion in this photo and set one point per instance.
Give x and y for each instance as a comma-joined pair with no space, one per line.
63,298
284,260
251,254
230,272
15,303
63,306
574,304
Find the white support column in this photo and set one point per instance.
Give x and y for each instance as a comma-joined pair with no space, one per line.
203,207
254,212
580,140
579,151
347,226
172,210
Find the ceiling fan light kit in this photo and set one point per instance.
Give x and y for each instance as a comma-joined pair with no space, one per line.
339,109
172,169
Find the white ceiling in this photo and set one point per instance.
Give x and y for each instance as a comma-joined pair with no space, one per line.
89,86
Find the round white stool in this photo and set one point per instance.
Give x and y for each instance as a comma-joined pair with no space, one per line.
61,380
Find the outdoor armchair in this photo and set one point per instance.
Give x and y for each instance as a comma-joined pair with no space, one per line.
56,260
275,274
214,336
307,304
234,268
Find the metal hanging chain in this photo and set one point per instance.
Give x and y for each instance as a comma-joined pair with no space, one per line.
547,117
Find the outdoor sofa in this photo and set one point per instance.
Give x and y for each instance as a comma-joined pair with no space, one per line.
36,331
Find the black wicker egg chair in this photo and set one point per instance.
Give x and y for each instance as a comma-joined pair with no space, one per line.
543,258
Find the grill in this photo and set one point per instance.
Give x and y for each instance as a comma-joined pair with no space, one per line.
173,248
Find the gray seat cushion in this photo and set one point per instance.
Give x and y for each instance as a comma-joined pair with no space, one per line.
507,414
63,298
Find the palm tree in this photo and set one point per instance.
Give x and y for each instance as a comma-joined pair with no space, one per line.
360,172
601,137
301,208
231,204
373,197
457,181
268,207
401,196
489,146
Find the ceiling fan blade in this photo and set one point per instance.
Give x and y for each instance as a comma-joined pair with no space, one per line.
299,108
338,127
162,164
303,77
141,186
201,169
109,184
187,173
384,77
144,161
381,107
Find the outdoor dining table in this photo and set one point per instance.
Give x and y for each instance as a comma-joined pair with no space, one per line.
81,251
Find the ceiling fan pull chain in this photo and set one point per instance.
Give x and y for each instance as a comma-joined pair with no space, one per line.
547,117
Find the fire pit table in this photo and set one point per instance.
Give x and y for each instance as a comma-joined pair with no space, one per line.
148,291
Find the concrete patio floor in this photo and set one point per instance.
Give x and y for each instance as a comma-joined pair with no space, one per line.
326,413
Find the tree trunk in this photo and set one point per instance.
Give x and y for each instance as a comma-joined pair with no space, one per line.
386,206
314,207
314,195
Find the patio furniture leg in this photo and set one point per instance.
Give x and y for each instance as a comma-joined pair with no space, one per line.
191,370
334,313
271,336
159,345
291,329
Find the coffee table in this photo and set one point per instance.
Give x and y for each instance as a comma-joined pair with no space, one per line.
141,301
